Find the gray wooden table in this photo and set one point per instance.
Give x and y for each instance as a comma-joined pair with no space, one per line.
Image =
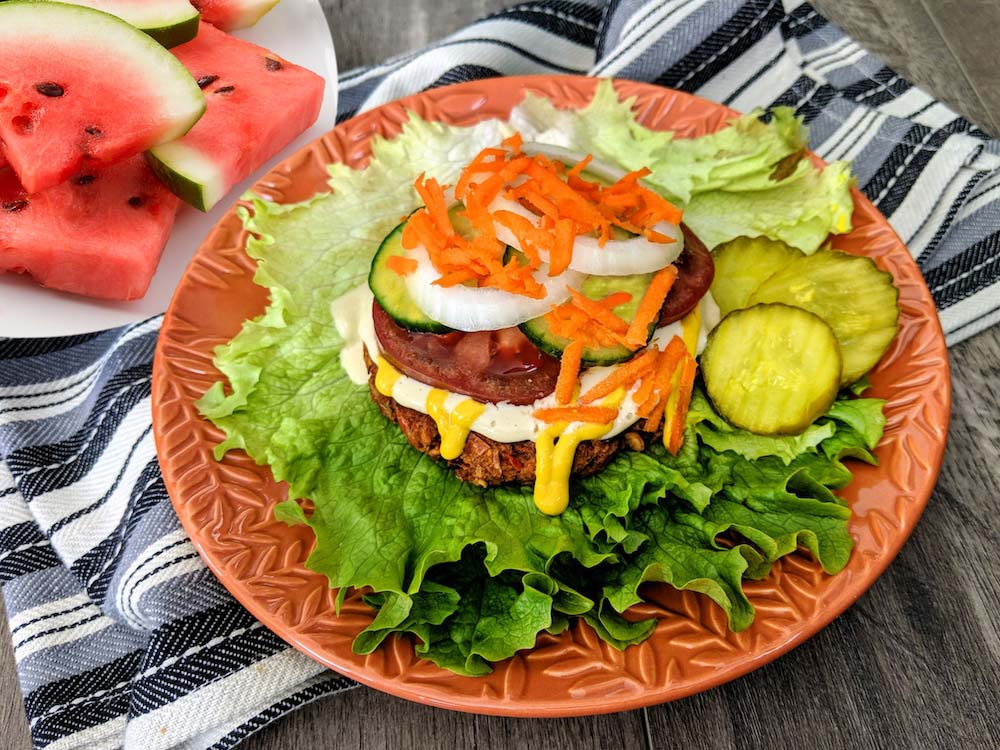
916,662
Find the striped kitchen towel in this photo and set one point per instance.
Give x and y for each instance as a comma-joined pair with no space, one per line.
123,638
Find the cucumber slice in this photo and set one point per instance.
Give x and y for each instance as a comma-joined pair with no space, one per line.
596,288
741,265
772,369
170,22
850,293
390,289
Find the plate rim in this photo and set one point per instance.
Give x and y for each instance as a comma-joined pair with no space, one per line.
583,706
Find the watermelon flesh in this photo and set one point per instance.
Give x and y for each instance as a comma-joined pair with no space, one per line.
233,14
257,104
66,108
100,235
170,22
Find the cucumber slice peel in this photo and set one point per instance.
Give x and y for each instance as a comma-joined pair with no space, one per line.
390,289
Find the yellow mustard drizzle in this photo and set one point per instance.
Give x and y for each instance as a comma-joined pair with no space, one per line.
691,328
544,456
453,425
554,460
385,377
614,399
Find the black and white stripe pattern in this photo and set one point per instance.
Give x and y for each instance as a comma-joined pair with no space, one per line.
123,637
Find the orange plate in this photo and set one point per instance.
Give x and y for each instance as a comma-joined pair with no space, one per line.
226,506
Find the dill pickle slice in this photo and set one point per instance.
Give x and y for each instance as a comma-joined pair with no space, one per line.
772,369
850,293
742,264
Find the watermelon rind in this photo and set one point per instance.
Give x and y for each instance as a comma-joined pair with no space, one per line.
59,23
189,175
175,34
170,22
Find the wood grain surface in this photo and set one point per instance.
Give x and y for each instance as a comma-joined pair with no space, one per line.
916,662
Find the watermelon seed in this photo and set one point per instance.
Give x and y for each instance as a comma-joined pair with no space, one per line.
93,130
83,179
22,124
271,64
49,89
225,90
206,81
14,206
136,201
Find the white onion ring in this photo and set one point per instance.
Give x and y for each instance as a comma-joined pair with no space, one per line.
616,258
469,309
605,171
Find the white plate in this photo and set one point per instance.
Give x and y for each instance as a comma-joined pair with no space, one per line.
297,30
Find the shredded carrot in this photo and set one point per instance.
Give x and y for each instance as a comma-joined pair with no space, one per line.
623,376
599,312
562,250
489,160
652,406
401,266
530,238
513,142
616,299
484,191
595,414
581,165
654,236
432,194
565,206
419,230
644,393
479,217
550,183
663,377
649,307
676,351
679,417
528,195
667,211
629,200
569,369
570,322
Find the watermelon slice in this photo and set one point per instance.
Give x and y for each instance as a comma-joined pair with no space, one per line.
100,234
257,103
233,14
170,22
81,89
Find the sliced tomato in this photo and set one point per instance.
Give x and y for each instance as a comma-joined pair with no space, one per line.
489,366
695,273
